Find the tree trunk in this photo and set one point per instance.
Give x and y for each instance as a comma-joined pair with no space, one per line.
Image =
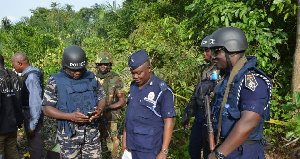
296,65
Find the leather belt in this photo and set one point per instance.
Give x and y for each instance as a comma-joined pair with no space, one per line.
251,142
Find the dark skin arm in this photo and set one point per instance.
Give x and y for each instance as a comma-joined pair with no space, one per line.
240,132
124,140
99,109
167,135
57,114
120,103
75,116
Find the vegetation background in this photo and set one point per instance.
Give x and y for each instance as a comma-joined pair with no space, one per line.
171,32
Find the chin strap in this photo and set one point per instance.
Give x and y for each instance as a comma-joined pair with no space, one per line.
229,64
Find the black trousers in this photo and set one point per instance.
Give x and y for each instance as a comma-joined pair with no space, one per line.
35,144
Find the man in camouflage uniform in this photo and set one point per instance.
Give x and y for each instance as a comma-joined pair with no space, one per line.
115,100
74,97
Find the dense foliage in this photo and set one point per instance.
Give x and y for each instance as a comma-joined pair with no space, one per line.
170,31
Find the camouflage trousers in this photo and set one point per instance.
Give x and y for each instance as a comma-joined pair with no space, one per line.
85,143
109,133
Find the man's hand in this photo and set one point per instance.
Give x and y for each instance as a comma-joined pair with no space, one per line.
185,119
98,113
212,156
78,117
161,155
30,133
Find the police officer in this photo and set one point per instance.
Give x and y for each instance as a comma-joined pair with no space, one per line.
196,106
32,93
115,100
150,112
241,101
74,97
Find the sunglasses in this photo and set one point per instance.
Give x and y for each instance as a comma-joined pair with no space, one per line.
100,64
217,50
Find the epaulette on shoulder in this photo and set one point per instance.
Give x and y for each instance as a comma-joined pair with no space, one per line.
163,86
250,81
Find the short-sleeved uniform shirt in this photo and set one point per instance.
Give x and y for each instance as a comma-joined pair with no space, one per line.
256,100
147,107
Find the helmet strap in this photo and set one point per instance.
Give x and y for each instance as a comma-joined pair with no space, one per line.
242,54
229,64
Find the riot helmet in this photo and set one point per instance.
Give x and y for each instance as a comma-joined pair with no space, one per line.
74,58
206,52
205,42
231,38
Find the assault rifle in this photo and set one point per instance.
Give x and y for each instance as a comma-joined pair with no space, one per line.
210,130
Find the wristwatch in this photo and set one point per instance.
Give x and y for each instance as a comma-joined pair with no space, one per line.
219,154
165,151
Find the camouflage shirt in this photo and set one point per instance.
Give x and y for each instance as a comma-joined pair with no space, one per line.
112,85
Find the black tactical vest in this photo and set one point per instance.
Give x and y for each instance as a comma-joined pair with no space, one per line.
10,106
25,92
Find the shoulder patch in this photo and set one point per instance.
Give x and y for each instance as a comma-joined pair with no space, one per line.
250,82
163,86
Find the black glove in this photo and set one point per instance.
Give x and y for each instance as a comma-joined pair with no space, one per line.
185,118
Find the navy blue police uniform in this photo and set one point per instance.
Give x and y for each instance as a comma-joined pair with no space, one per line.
250,90
145,113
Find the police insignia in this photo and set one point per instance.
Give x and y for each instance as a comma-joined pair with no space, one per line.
250,82
151,96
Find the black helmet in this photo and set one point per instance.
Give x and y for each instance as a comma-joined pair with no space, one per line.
74,58
205,42
232,38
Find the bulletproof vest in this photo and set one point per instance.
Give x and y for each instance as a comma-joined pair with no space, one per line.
75,95
11,106
25,92
205,85
229,121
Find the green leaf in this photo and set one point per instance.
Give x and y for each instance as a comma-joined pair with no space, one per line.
226,22
237,13
216,19
297,118
278,1
286,16
289,134
272,7
270,20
